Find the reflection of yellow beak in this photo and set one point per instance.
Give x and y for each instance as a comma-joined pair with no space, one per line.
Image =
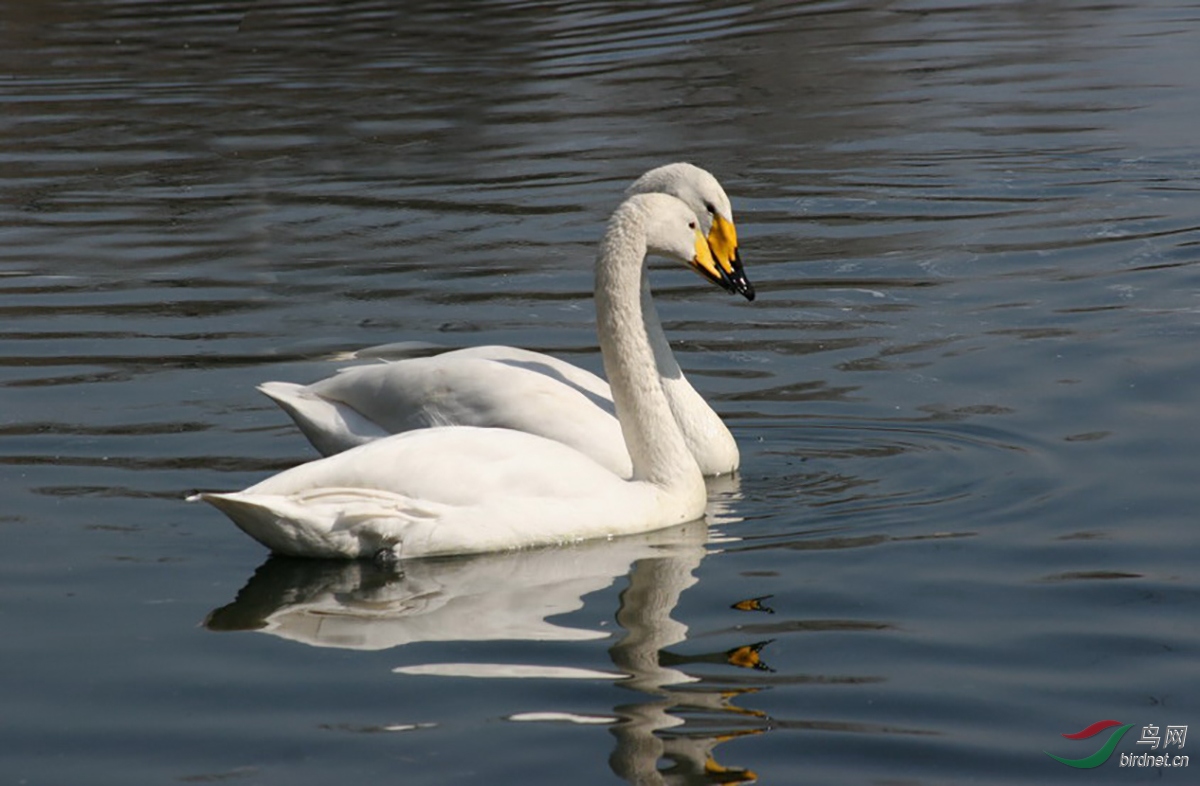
723,240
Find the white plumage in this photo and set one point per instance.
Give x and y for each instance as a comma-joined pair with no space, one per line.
463,489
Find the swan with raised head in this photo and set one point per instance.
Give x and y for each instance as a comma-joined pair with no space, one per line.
513,388
463,489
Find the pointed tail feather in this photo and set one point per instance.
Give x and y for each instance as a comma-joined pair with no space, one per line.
330,426
326,523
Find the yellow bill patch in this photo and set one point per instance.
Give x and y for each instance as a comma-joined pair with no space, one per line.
703,260
723,240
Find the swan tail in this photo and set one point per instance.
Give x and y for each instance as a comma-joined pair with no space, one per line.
330,426
330,522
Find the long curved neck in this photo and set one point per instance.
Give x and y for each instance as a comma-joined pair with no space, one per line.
655,444
703,430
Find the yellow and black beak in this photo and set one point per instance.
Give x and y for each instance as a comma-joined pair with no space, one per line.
727,262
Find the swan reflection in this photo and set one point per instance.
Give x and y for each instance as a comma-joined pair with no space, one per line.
364,606
512,596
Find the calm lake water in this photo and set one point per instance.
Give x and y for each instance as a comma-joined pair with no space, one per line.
966,396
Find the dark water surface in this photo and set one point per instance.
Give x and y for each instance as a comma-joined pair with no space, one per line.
966,396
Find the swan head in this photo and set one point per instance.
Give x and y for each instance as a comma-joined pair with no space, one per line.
673,230
700,191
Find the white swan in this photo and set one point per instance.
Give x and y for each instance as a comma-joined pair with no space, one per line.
462,489
528,391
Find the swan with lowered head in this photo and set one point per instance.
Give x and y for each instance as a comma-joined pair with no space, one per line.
463,489
508,387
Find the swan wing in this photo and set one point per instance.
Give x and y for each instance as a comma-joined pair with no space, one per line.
559,370
536,361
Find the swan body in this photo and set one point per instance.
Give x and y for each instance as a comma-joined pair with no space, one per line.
449,490
506,387
466,489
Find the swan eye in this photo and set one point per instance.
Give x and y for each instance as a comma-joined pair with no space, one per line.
691,225
710,208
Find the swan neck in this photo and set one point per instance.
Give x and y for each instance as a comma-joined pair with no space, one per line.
703,431
664,357
625,327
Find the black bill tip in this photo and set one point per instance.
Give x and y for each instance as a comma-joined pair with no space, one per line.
737,279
